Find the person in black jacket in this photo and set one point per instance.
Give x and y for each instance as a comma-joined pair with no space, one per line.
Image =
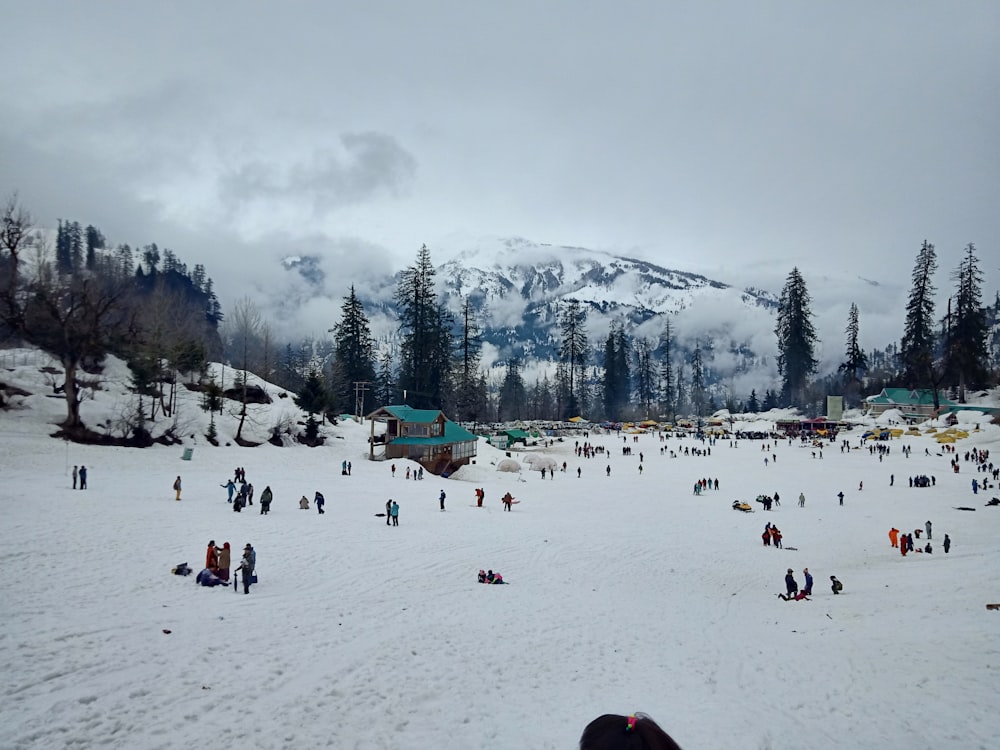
791,587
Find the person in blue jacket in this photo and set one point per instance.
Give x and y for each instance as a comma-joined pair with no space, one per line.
230,488
808,588
319,500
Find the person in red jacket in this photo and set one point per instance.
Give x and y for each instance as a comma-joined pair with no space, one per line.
212,556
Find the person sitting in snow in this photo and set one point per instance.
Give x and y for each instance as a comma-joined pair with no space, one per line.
482,576
304,503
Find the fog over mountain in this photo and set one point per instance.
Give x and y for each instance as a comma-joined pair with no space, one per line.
516,286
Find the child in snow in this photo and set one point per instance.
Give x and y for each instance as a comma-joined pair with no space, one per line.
835,585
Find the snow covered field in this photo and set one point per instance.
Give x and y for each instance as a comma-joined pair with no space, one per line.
628,593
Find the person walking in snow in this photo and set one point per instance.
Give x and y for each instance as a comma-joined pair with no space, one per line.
177,488
388,511
894,536
265,500
319,500
766,536
83,477
394,512
250,494
441,497
946,543
928,527
76,474
230,487
507,500
841,496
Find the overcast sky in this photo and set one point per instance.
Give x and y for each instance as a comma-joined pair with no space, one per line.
737,139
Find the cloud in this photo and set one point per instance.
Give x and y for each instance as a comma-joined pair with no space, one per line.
366,167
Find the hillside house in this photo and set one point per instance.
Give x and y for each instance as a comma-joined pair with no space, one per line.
423,435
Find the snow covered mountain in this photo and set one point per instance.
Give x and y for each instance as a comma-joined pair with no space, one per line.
517,288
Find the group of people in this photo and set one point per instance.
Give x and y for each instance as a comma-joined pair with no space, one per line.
391,512
771,536
905,541
768,500
318,500
793,593
79,477
217,565
490,577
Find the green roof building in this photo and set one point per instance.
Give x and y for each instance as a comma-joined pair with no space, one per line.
423,435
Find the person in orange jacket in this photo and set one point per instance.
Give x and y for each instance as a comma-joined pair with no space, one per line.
894,536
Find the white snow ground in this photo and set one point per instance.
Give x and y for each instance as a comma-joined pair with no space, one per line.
627,594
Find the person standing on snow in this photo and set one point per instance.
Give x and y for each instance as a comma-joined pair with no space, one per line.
83,477
946,543
894,536
319,500
224,562
265,500
212,555
230,489
177,488
791,586
246,571
807,589
394,512
802,499
76,474
388,511
441,499
928,527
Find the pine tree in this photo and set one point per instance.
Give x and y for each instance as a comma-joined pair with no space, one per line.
917,345
513,399
312,399
425,352
573,355
468,398
385,381
697,382
616,377
354,353
645,377
855,362
668,395
796,338
752,406
966,356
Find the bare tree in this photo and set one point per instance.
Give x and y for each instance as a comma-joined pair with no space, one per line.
245,324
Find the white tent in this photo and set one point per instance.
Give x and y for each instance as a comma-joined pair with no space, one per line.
544,462
508,464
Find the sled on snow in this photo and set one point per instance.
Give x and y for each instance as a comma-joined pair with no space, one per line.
742,506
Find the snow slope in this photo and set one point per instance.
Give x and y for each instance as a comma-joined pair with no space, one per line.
627,593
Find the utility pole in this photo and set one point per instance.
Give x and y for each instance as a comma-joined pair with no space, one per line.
360,388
